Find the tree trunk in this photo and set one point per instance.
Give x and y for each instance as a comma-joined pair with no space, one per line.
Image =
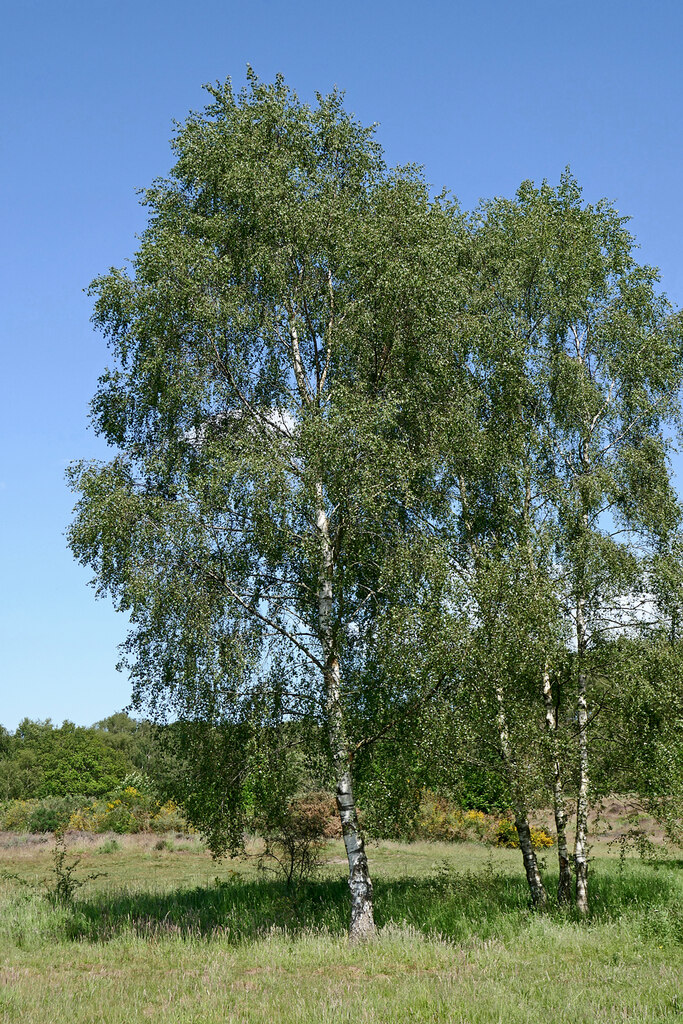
362,924
533,875
581,841
564,887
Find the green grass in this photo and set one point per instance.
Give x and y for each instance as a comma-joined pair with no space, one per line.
161,939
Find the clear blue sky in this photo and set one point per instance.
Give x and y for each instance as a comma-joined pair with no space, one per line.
482,94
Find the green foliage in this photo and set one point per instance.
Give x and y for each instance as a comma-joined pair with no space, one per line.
482,787
563,510
41,760
267,344
52,814
381,469
203,768
638,746
131,737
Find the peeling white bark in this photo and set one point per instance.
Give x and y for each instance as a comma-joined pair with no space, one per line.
362,924
581,840
564,887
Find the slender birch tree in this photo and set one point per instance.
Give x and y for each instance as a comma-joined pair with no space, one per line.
263,404
600,353
500,539
514,629
561,498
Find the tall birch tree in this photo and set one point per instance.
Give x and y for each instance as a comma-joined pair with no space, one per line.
600,352
501,541
262,401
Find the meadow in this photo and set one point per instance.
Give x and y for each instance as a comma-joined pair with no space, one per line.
166,934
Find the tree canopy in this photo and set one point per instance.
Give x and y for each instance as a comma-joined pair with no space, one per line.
256,522
377,463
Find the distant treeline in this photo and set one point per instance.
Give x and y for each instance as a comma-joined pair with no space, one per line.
42,760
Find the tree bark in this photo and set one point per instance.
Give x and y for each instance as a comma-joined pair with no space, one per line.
362,923
564,886
581,840
533,875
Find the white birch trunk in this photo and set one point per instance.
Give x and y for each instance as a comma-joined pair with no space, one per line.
581,840
362,924
564,887
533,875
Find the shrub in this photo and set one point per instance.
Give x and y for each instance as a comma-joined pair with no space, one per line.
506,835
52,813
296,834
541,839
169,818
119,817
129,811
66,881
15,814
37,815
109,846
441,820
126,811
85,819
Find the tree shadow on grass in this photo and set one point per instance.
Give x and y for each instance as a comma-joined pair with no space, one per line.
453,905
449,904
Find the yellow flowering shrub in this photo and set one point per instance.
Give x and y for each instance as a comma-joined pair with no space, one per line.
14,815
506,835
129,811
541,839
441,820
87,819
126,811
169,818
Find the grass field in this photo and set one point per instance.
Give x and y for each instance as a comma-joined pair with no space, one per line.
167,935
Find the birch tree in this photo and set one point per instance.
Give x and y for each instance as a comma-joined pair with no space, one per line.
599,350
500,541
262,401
506,573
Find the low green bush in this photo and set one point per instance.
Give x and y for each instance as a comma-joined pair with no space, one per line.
126,811
52,813
109,846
